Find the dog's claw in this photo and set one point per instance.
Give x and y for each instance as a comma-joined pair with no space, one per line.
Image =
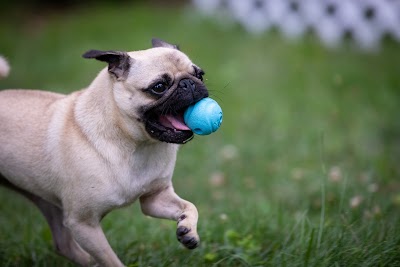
189,242
181,231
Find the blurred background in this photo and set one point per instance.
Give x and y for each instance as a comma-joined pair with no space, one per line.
304,170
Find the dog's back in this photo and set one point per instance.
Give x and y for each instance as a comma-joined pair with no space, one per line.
24,116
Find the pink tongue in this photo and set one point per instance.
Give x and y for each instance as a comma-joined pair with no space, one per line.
175,122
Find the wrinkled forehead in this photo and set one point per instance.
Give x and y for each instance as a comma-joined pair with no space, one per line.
160,58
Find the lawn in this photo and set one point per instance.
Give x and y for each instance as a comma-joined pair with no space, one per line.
304,171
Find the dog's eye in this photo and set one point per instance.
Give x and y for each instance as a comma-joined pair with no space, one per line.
199,74
159,88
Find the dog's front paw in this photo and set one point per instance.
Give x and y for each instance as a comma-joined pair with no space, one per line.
186,236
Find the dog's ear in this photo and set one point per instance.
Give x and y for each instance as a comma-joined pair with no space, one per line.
155,42
118,62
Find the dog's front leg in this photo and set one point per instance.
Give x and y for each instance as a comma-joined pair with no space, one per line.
167,204
91,238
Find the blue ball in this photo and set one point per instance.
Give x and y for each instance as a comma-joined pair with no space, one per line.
203,117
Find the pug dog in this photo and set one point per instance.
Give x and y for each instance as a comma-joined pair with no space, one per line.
79,156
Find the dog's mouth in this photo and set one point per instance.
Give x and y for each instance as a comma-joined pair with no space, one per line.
175,122
168,127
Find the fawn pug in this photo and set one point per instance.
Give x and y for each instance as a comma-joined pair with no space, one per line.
79,156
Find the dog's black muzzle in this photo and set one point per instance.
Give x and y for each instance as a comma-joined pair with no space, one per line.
174,103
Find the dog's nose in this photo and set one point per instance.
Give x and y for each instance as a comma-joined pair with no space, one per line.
187,84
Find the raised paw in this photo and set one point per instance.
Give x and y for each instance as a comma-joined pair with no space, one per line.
187,238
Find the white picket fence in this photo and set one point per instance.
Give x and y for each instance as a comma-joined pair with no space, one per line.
366,22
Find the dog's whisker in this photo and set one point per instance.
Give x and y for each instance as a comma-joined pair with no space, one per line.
216,97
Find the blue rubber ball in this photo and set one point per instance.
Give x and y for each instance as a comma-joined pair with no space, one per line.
203,117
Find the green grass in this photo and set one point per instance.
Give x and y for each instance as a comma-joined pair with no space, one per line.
306,131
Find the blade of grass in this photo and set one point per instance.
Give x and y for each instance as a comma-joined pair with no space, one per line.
309,249
323,185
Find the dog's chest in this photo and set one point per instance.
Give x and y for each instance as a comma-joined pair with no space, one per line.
146,170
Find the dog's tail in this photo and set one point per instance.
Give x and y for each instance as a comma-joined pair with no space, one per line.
4,68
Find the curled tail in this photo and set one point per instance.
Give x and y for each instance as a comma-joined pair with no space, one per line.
4,67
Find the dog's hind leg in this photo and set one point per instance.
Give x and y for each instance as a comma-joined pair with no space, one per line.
62,238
